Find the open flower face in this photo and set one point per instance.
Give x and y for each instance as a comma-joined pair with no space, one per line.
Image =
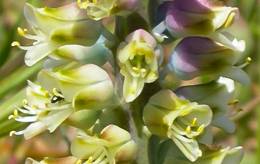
113,145
202,56
217,95
54,28
42,109
169,116
185,17
86,87
98,9
138,62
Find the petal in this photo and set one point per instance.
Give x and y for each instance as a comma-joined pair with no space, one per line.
132,88
115,135
97,54
34,129
71,81
94,97
56,118
37,53
190,149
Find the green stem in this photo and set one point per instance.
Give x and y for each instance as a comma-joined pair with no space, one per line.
17,77
7,107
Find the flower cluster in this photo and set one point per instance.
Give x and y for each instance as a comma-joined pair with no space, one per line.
106,81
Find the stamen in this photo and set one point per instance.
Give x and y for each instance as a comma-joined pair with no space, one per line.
188,130
82,5
233,102
194,121
25,102
247,62
136,69
15,43
21,31
90,160
14,115
12,133
230,19
79,161
201,129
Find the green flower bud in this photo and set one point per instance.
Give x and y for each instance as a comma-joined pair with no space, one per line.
112,145
138,62
54,28
88,87
169,116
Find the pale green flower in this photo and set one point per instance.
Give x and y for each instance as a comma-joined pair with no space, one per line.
65,91
55,28
226,155
138,61
113,145
217,95
169,116
98,9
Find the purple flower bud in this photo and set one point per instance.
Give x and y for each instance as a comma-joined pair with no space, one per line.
186,17
202,56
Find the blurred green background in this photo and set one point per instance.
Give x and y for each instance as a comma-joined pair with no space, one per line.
13,76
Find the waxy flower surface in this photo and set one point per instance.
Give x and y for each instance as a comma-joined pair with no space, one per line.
186,17
98,9
53,29
113,145
203,56
225,155
46,108
218,95
169,116
138,61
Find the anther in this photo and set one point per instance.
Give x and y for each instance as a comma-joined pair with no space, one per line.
12,133
194,121
247,62
21,31
188,130
15,43
230,19
25,102
201,129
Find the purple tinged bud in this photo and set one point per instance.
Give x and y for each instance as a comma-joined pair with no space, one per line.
186,17
199,56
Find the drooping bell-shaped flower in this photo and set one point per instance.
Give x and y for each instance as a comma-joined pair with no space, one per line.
225,155
209,57
54,28
113,145
217,95
222,156
64,91
138,61
186,17
98,9
180,120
